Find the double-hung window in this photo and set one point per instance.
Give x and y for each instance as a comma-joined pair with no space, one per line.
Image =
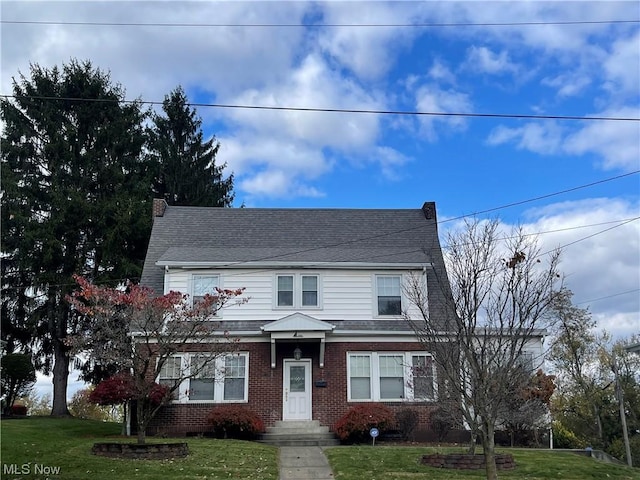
388,295
359,377
203,285
235,377
390,376
285,290
422,372
297,291
203,379
392,382
171,371
202,384
309,290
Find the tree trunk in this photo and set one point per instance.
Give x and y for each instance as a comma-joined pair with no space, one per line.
489,447
124,419
60,380
141,422
472,443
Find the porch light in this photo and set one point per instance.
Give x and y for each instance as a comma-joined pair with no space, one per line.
297,353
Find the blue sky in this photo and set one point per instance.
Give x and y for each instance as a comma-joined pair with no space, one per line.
465,165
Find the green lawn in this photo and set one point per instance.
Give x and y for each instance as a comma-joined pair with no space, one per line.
49,443
39,442
402,463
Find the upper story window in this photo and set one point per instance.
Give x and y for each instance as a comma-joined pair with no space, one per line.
285,290
309,290
389,294
203,285
298,291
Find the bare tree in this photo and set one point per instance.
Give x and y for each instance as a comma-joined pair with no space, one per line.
140,332
500,293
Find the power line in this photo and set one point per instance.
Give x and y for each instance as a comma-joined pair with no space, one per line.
590,236
609,296
521,202
320,264
315,25
341,110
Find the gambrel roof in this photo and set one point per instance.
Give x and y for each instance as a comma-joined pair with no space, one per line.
233,237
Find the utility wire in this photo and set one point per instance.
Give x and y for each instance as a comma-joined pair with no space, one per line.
609,296
589,236
320,264
340,110
314,25
521,202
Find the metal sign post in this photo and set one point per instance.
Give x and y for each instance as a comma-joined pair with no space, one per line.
374,432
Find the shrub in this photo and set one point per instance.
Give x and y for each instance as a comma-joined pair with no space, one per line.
354,426
441,422
407,420
565,438
235,421
18,410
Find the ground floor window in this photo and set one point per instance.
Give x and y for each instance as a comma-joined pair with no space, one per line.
205,379
390,376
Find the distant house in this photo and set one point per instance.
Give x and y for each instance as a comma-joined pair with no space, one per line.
323,329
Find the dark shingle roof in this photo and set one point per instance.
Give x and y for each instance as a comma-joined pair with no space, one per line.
186,235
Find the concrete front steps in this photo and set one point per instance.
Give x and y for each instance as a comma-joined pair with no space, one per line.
299,434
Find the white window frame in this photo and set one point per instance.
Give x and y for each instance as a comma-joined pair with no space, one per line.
297,291
376,310
193,285
219,384
374,379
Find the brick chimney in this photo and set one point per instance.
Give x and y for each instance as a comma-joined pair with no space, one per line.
159,206
429,210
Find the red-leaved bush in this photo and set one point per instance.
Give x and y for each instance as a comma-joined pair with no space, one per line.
18,410
354,425
235,421
120,388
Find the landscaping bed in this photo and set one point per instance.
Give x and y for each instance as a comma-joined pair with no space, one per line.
150,451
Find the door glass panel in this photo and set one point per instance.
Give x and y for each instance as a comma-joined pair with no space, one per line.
296,378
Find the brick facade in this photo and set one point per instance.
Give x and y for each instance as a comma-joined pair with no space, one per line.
329,402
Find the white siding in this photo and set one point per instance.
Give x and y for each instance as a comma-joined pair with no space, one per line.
346,294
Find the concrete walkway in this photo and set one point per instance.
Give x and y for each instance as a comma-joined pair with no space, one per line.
304,463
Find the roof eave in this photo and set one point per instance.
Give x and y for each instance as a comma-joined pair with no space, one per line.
306,265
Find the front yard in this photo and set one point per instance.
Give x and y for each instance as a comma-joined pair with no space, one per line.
43,447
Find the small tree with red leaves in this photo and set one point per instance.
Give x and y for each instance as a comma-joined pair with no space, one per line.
139,331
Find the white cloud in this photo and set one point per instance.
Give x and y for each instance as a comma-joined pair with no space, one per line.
391,161
313,84
615,144
568,84
431,98
622,67
441,72
150,61
367,52
482,59
600,255
545,139
594,269
274,183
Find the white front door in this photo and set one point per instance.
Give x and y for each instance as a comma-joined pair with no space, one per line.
296,394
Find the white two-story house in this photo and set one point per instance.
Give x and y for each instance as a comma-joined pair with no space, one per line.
323,329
